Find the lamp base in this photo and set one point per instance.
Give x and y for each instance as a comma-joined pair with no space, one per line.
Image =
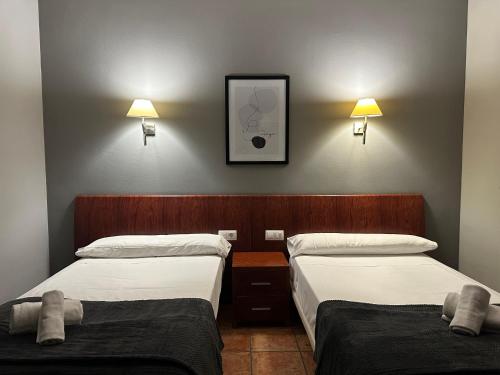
359,128
148,129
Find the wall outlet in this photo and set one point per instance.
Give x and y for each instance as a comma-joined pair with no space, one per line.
230,235
275,235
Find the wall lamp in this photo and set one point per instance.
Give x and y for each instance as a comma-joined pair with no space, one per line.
144,109
365,107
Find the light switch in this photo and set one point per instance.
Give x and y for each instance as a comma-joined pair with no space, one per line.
230,235
275,235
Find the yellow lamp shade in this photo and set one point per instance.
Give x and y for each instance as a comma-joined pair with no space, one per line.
142,108
366,107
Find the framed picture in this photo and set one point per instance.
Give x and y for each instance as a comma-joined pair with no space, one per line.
257,119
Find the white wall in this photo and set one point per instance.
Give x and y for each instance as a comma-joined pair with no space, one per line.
480,206
24,254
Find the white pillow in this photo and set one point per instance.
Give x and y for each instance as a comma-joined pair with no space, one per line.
156,246
357,243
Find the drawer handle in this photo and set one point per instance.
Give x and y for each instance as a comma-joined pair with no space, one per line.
264,283
261,309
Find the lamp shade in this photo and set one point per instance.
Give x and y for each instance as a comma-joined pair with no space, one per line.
142,108
366,107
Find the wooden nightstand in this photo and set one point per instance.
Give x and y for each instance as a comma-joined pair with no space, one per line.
261,287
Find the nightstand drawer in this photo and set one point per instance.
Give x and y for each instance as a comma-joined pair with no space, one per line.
261,282
257,309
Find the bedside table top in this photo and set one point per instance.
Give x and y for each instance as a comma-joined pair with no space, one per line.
251,259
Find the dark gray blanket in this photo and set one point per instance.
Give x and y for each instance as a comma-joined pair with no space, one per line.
360,339
175,336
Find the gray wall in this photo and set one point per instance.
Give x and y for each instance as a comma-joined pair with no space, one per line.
480,213
99,55
24,247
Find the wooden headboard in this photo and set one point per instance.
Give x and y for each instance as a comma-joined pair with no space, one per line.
99,216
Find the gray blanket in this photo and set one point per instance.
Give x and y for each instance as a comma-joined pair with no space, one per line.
361,339
177,336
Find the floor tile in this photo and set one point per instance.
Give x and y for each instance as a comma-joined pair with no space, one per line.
236,363
270,329
309,364
303,342
298,329
277,363
262,350
236,340
274,340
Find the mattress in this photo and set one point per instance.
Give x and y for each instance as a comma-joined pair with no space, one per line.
386,280
128,279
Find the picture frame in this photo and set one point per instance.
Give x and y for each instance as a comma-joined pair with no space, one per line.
257,118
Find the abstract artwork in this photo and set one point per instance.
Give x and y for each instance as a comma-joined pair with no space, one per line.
257,119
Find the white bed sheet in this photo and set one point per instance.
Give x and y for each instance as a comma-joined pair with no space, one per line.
389,280
129,279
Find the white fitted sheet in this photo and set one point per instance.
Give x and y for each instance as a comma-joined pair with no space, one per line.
386,280
138,279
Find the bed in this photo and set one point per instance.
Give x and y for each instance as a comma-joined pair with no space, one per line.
373,304
385,280
142,315
132,279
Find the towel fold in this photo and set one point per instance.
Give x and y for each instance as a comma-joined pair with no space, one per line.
51,319
24,316
450,305
491,322
471,310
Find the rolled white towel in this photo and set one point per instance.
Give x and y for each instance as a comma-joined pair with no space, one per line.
471,310
449,306
491,322
24,316
51,320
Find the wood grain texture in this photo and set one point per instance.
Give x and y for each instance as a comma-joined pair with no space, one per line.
99,216
261,287
253,259
402,214
102,216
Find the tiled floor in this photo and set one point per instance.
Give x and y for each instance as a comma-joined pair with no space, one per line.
264,350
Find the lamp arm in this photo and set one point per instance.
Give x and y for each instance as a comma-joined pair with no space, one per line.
144,131
365,128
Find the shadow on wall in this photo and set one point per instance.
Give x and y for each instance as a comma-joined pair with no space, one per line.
187,156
